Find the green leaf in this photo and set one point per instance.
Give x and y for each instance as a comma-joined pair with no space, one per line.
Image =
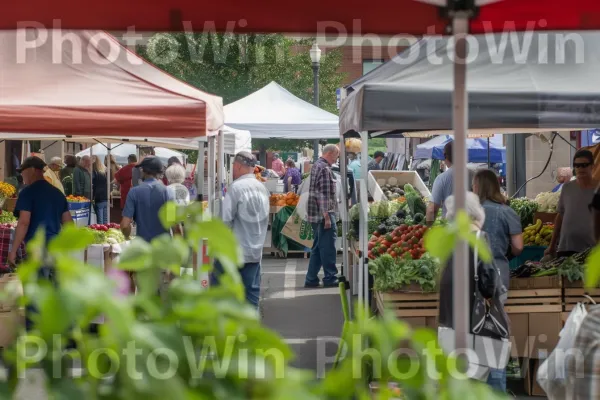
71,239
222,244
440,241
463,222
171,214
136,257
592,268
480,244
170,253
148,281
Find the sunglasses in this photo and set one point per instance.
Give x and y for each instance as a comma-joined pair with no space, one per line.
582,165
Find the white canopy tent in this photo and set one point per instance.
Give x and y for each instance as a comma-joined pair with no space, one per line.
274,112
121,151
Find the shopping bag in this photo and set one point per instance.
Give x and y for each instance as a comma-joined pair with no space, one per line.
552,373
298,230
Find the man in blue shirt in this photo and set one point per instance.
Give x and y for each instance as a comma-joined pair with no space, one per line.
40,206
145,200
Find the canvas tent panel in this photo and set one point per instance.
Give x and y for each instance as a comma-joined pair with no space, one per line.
559,92
274,112
92,86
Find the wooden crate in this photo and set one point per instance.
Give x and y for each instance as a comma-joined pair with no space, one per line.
412,302
574,293
542,282
534,301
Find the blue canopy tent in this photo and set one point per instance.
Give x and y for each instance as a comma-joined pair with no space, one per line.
477,149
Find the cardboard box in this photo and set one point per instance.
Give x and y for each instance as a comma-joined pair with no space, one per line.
378,178
10,322
544,330
12,287
519,325
540,282
547,218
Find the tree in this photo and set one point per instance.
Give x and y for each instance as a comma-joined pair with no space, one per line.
233,66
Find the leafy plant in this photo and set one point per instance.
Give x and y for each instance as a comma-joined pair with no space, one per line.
395,274
195,342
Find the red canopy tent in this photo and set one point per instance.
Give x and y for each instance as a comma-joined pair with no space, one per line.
90,85
383,17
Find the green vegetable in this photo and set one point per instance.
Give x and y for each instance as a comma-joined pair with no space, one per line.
391,274
525,209
572,270
414,201
354,213
7,217
419,218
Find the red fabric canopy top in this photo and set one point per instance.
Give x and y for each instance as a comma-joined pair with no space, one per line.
85,83
381,17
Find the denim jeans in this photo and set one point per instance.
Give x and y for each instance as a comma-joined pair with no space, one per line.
250,274
101,209
497,380
323,253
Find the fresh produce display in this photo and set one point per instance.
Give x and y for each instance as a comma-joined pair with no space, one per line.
77,199
7,218
525,209
287,199
547,201
353,145
111,235
391,273
402,242
258,170
392,191
538,234
571,268
7,190
105,227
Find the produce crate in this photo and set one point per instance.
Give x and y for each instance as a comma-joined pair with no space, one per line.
9,204
545,217
530,253
574,293
378,178
534,301
541,282
411,302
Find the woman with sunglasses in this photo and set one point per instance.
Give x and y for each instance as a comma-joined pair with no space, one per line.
574,226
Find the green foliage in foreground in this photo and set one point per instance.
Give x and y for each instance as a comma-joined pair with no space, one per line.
199,343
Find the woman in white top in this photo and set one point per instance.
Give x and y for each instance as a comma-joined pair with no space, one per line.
176,176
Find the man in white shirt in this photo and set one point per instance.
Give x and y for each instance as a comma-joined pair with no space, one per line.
246,211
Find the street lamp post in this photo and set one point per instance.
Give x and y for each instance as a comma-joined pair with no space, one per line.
315,56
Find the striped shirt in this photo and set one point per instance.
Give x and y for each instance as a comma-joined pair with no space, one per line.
583,372
322,198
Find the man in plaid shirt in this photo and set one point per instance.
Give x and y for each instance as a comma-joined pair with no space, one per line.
321,213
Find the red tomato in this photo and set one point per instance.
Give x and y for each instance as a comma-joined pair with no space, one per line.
376,234
397,239
393,254
371,245
386,243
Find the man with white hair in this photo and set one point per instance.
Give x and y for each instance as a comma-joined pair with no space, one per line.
246,211
176,175
322,214
52,173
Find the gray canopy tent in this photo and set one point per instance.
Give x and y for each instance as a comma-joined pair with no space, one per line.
517,82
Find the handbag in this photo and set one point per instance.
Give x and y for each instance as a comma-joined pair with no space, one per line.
488,317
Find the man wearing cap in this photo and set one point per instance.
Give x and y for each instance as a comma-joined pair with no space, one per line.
277,165
145,200
246,211
52,173
40,205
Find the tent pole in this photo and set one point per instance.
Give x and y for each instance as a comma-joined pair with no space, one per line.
108,182
488,143
363,271
91,184
200,171
220,170
461,309
344,218
211,174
